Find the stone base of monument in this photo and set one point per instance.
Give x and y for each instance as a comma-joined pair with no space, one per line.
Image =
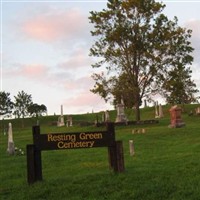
151,121
59,124
121,119
178,124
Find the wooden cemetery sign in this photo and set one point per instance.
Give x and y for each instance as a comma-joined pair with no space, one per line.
64,141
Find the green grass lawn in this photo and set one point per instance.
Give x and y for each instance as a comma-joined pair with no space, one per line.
166,164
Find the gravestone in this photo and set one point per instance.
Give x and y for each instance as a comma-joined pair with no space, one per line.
131,148
61,121
160,111
145,103
156,110
69,121
121,117
197,110
96,121
103,117
175,117
11,146
107,116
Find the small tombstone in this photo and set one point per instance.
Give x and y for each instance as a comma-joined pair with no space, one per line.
160,111
61,121
143,130
69,121
138,131
145,103
175,117
107,116
131,148
96,122
197,111
190,113
11,146
5,131
103,117
156,110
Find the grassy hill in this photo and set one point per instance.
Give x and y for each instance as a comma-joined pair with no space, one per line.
166,163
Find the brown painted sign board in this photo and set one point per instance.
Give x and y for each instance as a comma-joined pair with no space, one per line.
64,141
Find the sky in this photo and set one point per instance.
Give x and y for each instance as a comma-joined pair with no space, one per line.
45,50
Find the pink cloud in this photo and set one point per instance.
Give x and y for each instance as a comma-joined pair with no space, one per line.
28,71
82,83
55,25
44,74
34,70
84,99
78,59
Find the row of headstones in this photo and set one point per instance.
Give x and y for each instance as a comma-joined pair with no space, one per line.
121,117
61,120
175,119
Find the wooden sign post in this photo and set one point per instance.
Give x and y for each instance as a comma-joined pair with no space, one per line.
64,141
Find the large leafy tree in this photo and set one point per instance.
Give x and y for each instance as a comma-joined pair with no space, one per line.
135,39
178,88
6,105
21,104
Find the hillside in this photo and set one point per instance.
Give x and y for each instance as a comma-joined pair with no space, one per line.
166,163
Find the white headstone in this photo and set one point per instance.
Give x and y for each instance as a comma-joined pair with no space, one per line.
131,148
156,110
121,117
69,121
198,111
11,146
160,111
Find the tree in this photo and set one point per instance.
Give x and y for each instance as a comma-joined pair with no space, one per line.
21,104
178,88
135,40
37,110
122,91
6,105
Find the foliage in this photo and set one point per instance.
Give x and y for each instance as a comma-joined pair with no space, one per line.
136,41
37,110
122,91
21,104
6,104
178,88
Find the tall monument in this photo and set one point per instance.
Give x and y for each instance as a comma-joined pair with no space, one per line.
61,121
11,146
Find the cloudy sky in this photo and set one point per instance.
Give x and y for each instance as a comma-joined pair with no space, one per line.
45,47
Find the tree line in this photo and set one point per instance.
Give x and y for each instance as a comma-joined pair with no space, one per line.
21,107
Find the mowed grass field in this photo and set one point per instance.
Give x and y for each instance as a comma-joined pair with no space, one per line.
166,164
